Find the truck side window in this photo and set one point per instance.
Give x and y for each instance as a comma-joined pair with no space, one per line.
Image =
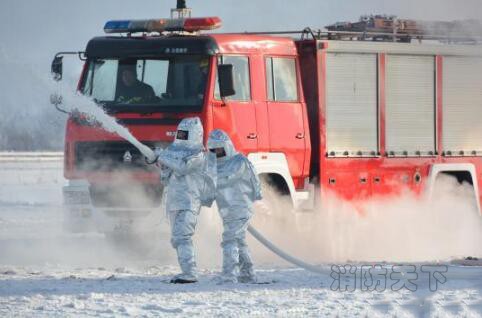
281,79
242,85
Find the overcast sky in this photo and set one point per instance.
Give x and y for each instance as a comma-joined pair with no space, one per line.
42,27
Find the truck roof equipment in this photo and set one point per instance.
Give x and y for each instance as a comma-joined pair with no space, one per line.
391,28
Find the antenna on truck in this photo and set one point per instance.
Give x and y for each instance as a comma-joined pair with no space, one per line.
181,11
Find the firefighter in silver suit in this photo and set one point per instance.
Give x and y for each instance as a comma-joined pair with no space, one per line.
238,187
189,178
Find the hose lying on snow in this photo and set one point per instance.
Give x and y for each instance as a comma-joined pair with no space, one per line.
289,258
453,271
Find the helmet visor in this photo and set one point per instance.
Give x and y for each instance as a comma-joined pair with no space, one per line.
220,152
182,135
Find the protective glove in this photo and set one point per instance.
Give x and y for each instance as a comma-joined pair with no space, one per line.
157,152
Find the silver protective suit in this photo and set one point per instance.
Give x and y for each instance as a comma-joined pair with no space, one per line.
238,187
188,174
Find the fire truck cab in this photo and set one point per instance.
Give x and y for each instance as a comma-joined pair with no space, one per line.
265,113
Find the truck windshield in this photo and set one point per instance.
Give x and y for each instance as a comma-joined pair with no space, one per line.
171,81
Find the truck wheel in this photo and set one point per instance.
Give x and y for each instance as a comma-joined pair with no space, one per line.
454,194
447,180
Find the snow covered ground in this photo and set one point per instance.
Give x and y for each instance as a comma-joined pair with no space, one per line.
45,272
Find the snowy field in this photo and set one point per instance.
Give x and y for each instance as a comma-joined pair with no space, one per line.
45,272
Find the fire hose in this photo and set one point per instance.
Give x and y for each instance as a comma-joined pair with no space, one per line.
287,257
473,270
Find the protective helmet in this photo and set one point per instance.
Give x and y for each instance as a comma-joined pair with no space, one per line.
189,133
219,139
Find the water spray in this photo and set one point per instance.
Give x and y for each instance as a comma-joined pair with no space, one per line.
96,114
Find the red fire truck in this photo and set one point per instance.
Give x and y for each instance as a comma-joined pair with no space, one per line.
357,116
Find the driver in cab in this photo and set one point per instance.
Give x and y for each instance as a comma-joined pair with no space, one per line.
130,89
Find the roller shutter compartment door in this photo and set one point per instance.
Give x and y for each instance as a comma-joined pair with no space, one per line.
351,104
410,105
462,106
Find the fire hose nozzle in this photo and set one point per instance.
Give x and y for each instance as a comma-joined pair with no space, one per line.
152,157
152,160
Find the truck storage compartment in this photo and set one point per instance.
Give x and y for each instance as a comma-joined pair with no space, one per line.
410,105
351,104
462,105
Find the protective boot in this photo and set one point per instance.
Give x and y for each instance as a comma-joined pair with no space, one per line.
246,271
183,225
183,279
230,262
185,257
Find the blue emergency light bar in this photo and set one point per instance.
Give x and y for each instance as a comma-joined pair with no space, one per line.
121,26
162,25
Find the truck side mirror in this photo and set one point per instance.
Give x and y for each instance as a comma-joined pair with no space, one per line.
57,68
226,80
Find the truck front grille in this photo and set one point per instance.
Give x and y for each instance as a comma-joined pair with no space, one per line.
108,156
128,196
